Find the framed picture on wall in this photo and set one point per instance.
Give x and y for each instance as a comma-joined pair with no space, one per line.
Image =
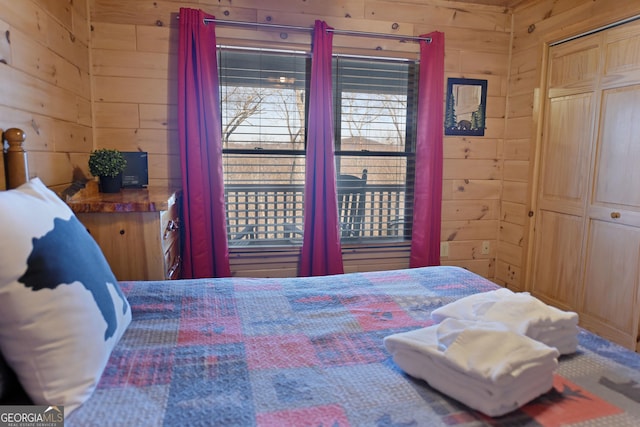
466,107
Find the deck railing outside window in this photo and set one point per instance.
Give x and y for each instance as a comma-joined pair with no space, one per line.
273,214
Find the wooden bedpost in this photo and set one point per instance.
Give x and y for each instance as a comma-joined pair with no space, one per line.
16,158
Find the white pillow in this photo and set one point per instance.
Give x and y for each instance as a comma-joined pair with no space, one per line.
61,308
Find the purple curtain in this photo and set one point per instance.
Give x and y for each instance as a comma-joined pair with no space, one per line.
427,207
321,251
205,251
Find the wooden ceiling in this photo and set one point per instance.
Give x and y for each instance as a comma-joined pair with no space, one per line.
503,3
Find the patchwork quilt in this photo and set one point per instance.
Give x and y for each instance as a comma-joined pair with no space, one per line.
309,352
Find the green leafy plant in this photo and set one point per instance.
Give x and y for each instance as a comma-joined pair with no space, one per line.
106,162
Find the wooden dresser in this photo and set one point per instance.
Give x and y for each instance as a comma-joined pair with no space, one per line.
138,230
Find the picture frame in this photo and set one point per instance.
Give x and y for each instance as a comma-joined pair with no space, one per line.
466,106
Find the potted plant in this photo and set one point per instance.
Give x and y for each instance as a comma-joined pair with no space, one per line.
107,165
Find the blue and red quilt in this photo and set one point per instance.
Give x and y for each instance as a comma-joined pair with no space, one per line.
309,352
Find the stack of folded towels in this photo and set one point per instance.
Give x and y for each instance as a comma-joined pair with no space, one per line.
494,351
520,312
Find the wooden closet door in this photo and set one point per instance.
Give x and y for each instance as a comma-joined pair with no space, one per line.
564,175
586,254
610,301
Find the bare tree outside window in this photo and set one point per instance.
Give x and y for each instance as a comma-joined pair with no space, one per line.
241,104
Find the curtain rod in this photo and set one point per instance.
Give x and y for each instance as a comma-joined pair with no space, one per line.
308,29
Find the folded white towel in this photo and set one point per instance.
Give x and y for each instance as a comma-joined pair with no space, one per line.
487,351
521,313
565,340
492,401
483,365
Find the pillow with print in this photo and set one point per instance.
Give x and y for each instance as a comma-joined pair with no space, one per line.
61,308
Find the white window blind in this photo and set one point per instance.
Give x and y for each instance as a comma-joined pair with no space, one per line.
264,110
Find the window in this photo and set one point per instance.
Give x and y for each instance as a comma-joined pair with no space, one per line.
264,107
375,131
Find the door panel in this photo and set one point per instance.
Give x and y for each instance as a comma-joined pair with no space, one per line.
563,188
610,295
566,150
618,174
622,56
574,67
558,259
610,305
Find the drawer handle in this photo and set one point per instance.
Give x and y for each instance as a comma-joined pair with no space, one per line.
172,225
174,268
615,215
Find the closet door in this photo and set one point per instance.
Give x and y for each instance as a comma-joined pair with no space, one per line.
586,254
610,301
564,174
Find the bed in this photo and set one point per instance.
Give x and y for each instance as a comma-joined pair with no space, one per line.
309,351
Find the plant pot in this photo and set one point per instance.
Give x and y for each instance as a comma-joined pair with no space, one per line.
111,184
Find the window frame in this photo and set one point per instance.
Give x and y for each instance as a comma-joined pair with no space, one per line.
408,152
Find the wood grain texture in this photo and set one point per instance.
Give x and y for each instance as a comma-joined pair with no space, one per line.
154,199
137,230
134,47
102,71
15,168
585,248
45,84
535,24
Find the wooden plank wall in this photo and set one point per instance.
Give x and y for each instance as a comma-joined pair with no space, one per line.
535,24
65,80
45,85
134,48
